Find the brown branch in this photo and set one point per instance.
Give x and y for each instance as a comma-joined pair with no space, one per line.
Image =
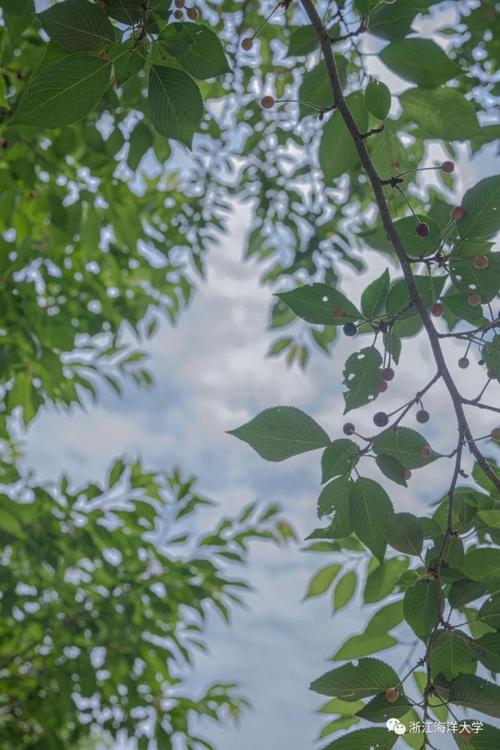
377,186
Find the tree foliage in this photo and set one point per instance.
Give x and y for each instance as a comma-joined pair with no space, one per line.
105,214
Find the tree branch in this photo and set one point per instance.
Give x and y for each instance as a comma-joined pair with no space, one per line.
377,187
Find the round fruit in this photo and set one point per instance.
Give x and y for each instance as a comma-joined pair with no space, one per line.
437,309
381,419
495,434
425,451
388,373
458,213
391,695
474,299
267,102
382,386
422,416
422,229
179,3
466,734
448,166
179,15
338,312
349,428
463,363
407,473
247,43
350,329
481,261
192,14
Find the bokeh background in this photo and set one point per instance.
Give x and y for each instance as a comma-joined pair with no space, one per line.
211,375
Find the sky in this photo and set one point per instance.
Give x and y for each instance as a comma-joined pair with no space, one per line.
211,375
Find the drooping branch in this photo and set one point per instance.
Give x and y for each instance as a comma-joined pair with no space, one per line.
388,224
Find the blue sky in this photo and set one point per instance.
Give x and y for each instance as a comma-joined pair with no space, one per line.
211,375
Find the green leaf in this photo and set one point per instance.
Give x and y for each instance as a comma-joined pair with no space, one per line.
414,245
441,113
399,297
126,11
303,40
364,645
468,278
380,710
365,739
490,612
340,457
362,373
197,48
383,579
474,692
405,445
452,654
392,469
351,682
421,61
315,90
481,563
393,21
344,590
377,99
322,581
78,25
316,303
281,432
422,606
490,517
337,152
405,534
486,738
338,491
462,592
491,355
63,93
488,651
374,296
370,509
482,209
175,103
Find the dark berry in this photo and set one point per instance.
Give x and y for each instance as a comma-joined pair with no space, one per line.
481,261
422,229
247,43
474,299
382,386
448,166
437,309
463,363
422,416
350,329
388,373
349,428
391,695
381,419
267,102
192,14
458,213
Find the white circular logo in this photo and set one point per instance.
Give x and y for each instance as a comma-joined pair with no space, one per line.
391,723
399,728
